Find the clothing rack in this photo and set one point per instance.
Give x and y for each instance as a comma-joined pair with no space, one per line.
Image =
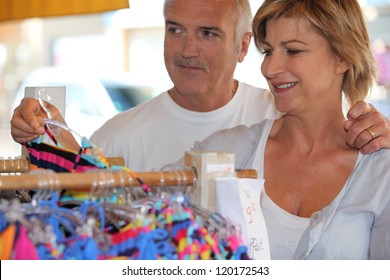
22,164
200,168
104,178
14,165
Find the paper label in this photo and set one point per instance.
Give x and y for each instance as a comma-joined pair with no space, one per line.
238,200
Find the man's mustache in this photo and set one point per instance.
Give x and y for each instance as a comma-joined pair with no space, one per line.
189,62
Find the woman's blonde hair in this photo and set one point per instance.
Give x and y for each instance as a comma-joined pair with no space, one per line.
342,24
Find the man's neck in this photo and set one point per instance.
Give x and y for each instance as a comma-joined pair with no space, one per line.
203,103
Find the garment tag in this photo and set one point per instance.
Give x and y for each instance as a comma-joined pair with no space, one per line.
238,200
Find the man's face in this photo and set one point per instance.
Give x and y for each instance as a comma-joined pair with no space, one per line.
199,49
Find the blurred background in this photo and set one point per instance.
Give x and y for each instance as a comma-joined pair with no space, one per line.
111,61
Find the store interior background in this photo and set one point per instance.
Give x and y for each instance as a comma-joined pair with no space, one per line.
126,46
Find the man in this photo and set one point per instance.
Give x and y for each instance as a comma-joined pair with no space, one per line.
204,41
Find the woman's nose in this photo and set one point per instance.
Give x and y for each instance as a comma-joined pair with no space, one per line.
272,65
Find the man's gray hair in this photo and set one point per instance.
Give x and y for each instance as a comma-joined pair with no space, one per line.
243,19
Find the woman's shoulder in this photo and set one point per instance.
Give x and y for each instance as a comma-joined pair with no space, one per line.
238,135
240,140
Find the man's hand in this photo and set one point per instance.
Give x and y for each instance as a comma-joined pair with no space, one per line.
27,121
367,129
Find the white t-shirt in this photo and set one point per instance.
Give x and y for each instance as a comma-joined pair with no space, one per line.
158,132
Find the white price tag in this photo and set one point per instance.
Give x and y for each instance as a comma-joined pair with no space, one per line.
239,201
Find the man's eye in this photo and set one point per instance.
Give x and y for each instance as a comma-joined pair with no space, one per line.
174,30
208,33
266,52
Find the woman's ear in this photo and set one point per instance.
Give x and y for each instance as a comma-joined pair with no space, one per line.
342,66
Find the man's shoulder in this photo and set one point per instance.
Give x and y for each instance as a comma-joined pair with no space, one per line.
251,89
133,118
148,105
146,108
259,99
255,94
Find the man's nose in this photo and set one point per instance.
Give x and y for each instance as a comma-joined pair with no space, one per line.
190,46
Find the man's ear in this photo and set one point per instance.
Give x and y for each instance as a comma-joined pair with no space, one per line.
245,42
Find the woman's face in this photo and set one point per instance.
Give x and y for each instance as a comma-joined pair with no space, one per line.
300,68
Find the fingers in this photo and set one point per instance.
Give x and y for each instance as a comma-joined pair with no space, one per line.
360,110
373,145
367,129
361,116
373,138
21,136
26,122
32,112
22,131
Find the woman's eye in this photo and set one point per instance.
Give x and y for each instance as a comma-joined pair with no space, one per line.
292,51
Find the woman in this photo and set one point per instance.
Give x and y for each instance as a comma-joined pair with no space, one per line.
321,198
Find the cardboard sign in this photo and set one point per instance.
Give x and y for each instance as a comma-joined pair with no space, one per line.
238,200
